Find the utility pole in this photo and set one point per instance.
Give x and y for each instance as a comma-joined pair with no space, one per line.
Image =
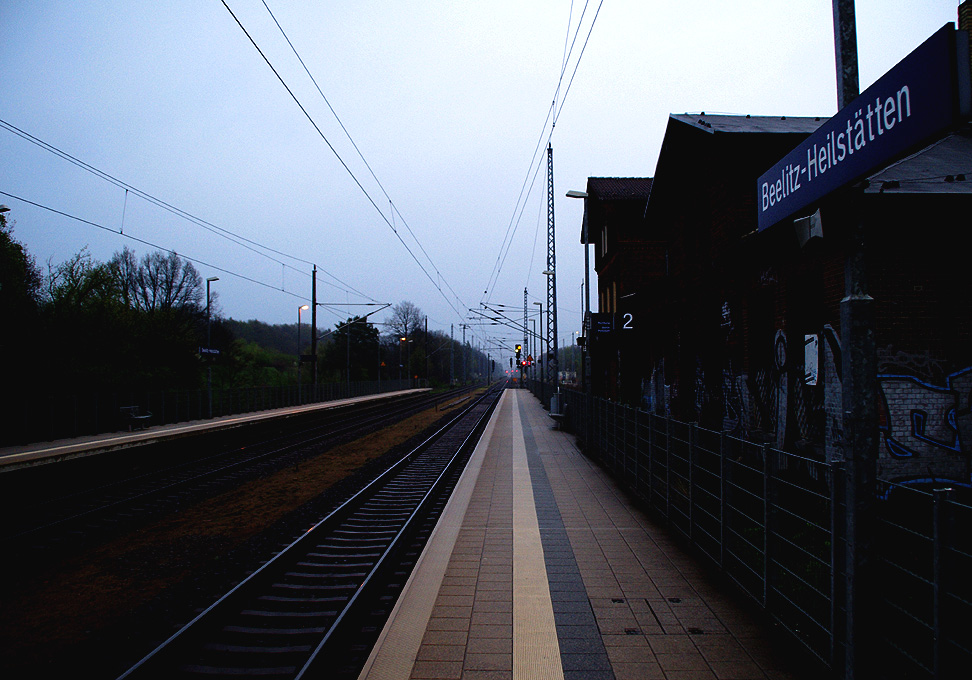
465,351
452,355
858,386
314,325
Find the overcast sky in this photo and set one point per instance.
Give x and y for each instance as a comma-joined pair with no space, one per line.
446,101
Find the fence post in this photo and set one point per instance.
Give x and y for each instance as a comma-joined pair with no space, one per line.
651,454
838,623
940,538
767,486
722,501
668,467
691,481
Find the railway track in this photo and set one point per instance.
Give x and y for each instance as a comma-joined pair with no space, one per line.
319,604
83,515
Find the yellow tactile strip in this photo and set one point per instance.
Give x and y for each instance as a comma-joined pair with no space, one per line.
478,603
536,652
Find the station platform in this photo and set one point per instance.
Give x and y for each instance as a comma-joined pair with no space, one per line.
540,568
40,453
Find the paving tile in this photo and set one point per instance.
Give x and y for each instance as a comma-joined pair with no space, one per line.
487,675
437,670
737,670
441,623
488,662
682,661
497,605
672,644
585,662
625,670
441,653
690,675
490,646
445,637
494,596
588,675
490,631
464,600
452,612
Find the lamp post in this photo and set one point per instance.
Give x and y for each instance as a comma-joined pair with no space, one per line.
209,342
401,343
299,310
543,366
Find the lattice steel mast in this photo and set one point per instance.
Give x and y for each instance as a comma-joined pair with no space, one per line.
550,363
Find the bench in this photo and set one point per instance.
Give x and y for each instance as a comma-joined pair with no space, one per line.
134,417
558,409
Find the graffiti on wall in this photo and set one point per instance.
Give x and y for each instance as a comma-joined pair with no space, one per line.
922,419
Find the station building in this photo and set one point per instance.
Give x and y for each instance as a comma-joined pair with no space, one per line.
704,317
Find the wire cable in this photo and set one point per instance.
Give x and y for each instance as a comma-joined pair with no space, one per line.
151,245
208,226
392,207
337,155
553,114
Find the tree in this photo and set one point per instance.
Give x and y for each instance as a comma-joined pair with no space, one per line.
405,320
361,355
20,295
20,279
158,282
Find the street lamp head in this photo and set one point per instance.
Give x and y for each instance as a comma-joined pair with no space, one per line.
576,194
549,272
304,307
212,278
538,304
4,209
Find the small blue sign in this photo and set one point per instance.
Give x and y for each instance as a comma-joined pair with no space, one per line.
924,95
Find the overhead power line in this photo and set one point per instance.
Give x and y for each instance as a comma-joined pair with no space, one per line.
553,113
152,245
235,238
344,164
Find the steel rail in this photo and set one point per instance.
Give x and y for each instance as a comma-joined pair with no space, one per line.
332,520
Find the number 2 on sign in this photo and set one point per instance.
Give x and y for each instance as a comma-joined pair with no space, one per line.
628,322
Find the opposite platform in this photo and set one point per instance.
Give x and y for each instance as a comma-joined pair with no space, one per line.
37,453
540,568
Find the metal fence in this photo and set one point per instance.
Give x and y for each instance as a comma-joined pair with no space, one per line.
772,523
57,415
924,565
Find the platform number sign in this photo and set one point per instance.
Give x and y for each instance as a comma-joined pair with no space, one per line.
627,321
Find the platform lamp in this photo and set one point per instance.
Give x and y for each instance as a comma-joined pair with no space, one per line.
299,310
543,365
209,342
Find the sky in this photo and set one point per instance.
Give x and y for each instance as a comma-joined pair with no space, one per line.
415,168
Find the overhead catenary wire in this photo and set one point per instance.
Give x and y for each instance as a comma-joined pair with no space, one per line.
392,207
146,242
338,156
235,238
553,114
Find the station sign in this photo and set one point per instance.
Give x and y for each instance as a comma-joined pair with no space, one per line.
924,96
602,323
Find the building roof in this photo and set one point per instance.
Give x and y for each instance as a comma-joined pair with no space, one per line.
613,189
944,167
618,188
743,124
